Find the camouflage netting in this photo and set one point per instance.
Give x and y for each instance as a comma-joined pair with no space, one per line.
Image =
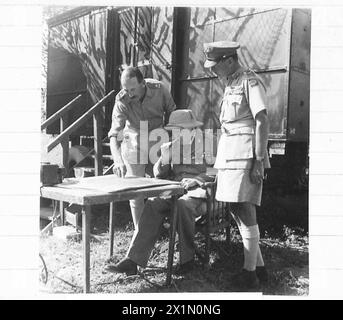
146,37
262,34
146,40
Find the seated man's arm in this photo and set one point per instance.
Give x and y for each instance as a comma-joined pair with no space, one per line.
161,171
197,181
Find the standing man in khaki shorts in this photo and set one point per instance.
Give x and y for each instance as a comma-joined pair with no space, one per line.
242,151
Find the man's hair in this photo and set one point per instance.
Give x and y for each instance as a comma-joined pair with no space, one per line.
132,72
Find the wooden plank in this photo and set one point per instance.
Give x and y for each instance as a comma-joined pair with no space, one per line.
60,113
70,218
88,197
86,219
164,191
80,121
112,183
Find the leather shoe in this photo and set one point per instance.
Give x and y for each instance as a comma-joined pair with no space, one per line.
262,274
184,268
246,280
126,266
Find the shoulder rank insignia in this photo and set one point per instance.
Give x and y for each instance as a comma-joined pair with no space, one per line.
153,85
121,95
253,82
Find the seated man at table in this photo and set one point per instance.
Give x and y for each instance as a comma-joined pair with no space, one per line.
189,169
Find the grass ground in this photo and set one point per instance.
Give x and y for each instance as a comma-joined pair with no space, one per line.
284,245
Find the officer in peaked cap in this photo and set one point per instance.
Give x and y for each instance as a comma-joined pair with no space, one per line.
242,151
216,51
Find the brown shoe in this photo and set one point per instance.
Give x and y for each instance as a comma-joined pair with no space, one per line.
246,280
124,266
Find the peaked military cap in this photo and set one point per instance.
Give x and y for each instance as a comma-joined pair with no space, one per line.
215,51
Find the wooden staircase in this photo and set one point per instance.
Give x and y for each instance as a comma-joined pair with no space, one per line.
99,154
99,146
81,171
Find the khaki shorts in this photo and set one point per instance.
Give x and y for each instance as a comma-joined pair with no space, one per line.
234,185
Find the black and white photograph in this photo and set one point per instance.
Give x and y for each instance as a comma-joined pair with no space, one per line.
171,156
174,150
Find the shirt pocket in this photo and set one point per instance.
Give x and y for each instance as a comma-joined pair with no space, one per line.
232,101
155,122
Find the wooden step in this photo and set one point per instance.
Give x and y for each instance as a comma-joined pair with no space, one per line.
104,156
84,172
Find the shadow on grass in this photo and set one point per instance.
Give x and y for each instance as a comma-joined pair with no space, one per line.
285,255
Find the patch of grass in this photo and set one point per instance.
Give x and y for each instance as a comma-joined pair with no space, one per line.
284,246
287,262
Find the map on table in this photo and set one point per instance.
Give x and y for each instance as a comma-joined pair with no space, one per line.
112,183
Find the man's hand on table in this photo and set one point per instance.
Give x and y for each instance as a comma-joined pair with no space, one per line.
119,169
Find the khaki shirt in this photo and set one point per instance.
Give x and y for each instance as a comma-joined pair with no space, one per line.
244,97
186,168
127,114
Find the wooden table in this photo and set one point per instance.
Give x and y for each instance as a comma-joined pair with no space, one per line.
109,189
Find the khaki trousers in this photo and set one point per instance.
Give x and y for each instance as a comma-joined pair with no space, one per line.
137,204
149,227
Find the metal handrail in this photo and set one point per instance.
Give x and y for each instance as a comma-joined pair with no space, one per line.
67,132
60,112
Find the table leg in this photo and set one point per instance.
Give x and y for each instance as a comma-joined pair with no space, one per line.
63,205
172,241
111,228
86,218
